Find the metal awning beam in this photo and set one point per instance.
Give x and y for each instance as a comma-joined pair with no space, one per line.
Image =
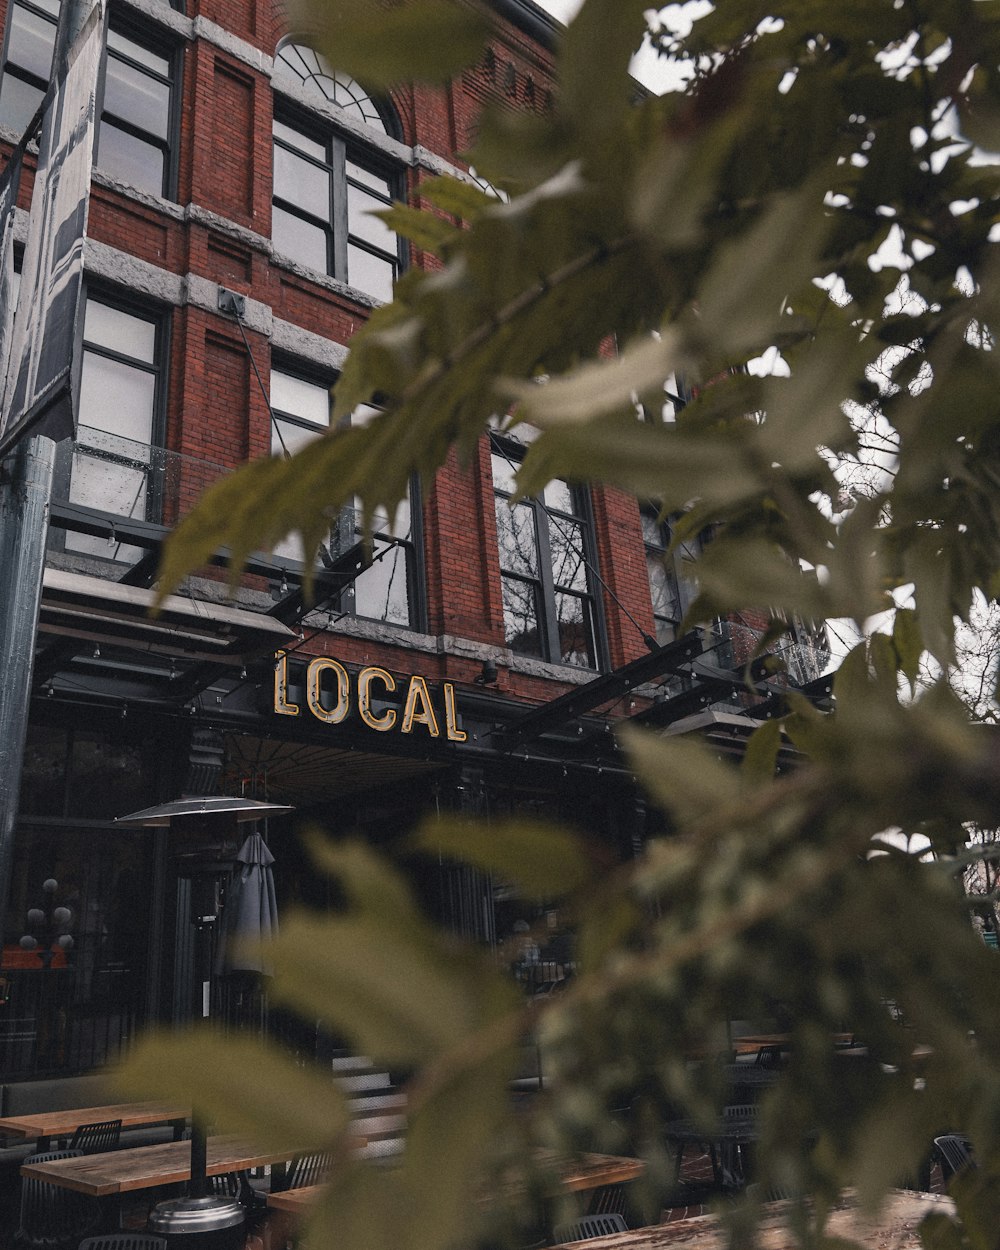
603,689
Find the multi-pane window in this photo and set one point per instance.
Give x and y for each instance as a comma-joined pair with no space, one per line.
670,585
327,188
31,35
133,142
112,459
544,546
386,590
134,138
323,200
300,410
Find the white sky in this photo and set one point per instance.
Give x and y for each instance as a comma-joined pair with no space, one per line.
653,71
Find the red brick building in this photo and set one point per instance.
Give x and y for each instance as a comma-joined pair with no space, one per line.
479,663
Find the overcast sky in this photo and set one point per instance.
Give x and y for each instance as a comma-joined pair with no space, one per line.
650,69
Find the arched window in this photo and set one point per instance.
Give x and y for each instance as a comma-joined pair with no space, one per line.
315,73
327,185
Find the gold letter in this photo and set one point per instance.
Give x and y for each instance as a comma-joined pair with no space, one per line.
365,678
314,676
453,733
418,692
281,704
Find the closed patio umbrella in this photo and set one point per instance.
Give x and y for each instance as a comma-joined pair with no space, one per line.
250,914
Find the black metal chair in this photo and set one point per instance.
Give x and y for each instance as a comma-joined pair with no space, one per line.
607,1200
94,1139
124,1241
954,1154
51,1217
224,1185
735,1156
309,1169
588,1226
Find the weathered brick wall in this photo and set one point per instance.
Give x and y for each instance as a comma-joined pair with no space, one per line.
215,409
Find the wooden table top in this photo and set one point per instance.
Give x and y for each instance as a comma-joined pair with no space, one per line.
142,1167
58,1123
894,1228
589,1171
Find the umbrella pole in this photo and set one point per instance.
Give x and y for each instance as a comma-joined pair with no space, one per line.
198,1187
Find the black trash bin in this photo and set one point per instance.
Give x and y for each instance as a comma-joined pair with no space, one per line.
208,1223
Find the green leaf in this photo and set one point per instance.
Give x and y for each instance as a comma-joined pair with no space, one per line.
544,862
426,40
220,1076
684,778
742,296
426,230
907,639
603,928
761,758
371,884
939,1232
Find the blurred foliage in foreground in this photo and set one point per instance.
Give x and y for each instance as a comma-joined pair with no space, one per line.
821,189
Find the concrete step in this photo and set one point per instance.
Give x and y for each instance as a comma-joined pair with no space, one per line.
369,1104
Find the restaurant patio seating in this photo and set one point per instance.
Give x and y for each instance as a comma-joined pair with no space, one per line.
53,1218
124,1241
590,1226
95,1139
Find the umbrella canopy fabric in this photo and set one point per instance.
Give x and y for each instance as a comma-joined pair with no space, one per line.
250,914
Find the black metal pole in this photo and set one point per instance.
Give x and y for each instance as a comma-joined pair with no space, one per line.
26,476
25,491
198,1186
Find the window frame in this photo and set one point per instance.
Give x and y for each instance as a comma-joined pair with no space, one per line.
341,150
25,76
683,592
345,528
160,44
546,589
147,35
161,319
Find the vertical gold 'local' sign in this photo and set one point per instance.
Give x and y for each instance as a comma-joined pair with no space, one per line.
333,704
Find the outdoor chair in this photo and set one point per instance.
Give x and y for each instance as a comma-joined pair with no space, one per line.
53,1218
124,1241
237,1185
734,1156
94,1139
588,1226
607,1200
310,1169
953,1153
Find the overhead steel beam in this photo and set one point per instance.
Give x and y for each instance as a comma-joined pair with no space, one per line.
603,689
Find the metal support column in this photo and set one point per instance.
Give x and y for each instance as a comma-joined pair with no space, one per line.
25,490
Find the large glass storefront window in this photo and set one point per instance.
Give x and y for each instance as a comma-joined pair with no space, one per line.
73,966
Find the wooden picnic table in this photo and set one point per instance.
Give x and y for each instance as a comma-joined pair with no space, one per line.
44,1125
893,1228
588,1171
117,1172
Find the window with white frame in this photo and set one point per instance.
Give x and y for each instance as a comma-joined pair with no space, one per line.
136,124
385,591
327,186
545,545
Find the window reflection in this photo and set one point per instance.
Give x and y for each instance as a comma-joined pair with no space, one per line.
542,545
